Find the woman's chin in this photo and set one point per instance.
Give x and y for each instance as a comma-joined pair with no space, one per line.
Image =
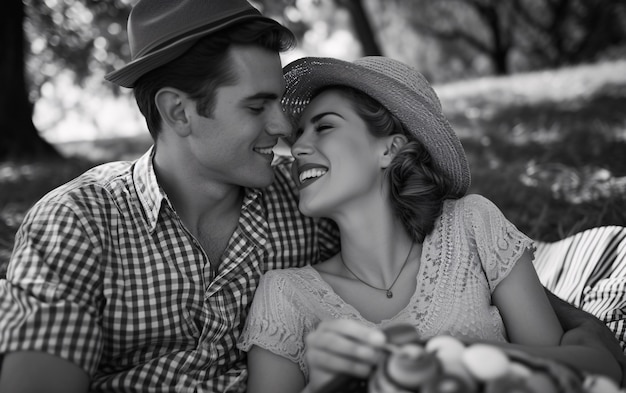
309,210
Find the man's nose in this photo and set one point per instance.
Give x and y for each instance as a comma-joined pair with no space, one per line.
279,124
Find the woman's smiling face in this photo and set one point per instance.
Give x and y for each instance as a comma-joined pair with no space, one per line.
337,157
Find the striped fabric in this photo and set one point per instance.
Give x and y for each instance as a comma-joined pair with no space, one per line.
589,271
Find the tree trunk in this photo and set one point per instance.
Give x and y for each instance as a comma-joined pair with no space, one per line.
19,139
362,26
500,62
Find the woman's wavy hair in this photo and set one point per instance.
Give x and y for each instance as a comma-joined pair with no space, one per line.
417,188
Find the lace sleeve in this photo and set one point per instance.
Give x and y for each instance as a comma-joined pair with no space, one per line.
274,321
499,243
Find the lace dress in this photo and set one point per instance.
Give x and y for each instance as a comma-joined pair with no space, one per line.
470,250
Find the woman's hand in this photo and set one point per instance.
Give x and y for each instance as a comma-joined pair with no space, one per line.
339,348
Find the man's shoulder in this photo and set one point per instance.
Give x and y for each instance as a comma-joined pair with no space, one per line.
91,184
67,211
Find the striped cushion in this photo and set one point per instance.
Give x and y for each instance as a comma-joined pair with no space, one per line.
588,270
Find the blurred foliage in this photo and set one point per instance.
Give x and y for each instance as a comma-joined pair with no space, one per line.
523,35
85,36
454,39
467,37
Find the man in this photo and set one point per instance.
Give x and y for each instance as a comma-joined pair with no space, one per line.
138,276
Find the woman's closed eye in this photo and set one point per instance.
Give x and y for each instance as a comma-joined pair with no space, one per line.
323,127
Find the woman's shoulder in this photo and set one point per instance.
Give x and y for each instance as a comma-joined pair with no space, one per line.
301,287
472,204
306,281
471,200
288,275
469,212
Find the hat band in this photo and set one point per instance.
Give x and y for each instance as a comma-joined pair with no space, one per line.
188,33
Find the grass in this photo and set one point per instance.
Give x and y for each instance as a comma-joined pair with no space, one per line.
547,148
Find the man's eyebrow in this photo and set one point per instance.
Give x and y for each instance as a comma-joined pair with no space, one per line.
317,117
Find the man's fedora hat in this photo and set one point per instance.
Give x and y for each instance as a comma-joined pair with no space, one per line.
161,30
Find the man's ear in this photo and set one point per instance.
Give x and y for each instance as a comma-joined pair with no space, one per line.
393,144
170,103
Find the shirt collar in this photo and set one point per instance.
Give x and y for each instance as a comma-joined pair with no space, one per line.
149,192
251,194
152,196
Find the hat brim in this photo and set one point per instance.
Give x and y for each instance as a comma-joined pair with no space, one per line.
131,72
304,77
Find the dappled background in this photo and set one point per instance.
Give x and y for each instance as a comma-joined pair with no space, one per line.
536,89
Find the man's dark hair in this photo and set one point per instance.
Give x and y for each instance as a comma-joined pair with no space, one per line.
205,67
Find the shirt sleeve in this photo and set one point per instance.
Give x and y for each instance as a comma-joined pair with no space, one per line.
49,301
275,320
499,243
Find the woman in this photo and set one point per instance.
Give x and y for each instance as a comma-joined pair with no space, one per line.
374,153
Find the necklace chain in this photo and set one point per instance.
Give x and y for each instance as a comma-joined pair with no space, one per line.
387,290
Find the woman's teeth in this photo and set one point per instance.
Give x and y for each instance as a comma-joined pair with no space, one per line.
311,173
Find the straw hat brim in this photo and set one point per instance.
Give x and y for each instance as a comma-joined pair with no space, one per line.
131,72
381,78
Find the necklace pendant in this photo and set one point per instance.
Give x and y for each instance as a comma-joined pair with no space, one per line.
389,294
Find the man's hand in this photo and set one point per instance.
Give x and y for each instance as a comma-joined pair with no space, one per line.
582,328
41,372
594,335
342,346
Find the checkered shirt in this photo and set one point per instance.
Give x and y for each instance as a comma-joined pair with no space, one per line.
105,275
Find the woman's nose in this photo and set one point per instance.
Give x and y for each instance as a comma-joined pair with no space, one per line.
301,146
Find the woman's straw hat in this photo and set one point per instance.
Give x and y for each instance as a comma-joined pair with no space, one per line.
399,88
159,31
